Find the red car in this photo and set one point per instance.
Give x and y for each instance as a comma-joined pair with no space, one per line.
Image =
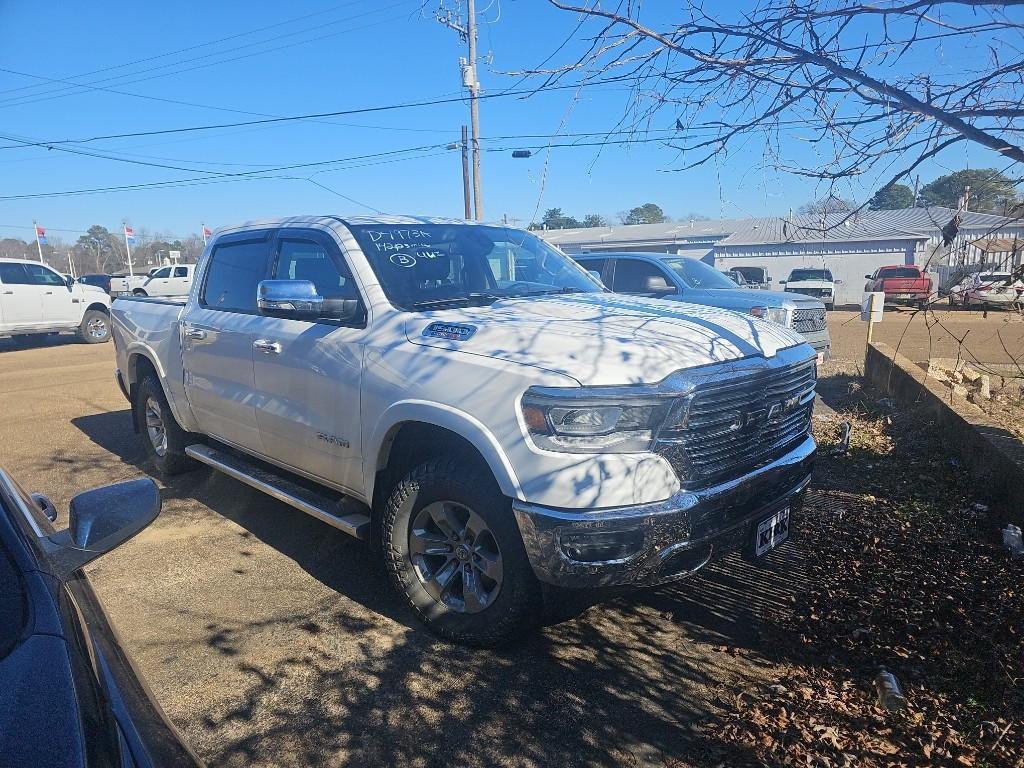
902,284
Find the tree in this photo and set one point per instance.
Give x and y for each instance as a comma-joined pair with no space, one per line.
991,191
837,74
891,197
648,213
827,205
595,220
555,219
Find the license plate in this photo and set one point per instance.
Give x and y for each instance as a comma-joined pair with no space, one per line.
904,295
771,532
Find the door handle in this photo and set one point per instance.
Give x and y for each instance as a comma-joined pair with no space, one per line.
47,293
195,333
8,293
267,347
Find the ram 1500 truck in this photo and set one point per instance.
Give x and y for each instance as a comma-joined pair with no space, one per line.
901,284
477,405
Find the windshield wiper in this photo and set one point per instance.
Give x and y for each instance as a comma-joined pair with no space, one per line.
468,300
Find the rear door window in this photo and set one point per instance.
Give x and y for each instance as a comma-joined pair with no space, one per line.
910,272
181,271
234,274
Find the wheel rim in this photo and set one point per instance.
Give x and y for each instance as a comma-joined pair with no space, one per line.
97,328
456,557
155,427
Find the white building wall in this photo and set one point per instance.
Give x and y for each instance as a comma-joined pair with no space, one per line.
849,267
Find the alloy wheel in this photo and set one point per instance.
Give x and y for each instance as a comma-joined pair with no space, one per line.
455,556
155,427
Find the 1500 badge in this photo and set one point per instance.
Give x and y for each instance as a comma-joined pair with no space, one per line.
450,331
338,441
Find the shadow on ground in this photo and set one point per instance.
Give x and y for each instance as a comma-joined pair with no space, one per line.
638,680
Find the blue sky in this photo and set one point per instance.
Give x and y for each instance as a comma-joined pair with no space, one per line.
345,55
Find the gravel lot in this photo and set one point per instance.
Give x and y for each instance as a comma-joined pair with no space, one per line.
998,338
271,638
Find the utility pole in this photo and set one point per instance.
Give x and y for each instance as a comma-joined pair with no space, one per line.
465,174
467,33
917,182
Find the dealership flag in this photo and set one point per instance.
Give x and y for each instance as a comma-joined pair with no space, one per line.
129,234
206,234
41,234
129,238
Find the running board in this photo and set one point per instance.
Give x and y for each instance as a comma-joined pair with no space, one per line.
346,514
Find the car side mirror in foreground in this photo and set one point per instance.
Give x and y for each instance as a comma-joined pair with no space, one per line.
101,520
69,282
596,275
296,299
867,277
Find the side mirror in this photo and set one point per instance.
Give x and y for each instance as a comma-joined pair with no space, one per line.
69,281
867,277
296,299
782,282
101,520
768,280
596,275
837,282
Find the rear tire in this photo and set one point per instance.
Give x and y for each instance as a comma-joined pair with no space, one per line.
139,292
468,578
95,327
162,436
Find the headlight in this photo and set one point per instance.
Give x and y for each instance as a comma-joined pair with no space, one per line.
579,421
772,314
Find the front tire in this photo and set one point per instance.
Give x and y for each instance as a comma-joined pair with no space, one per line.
95,327
162,436
453,549
139,292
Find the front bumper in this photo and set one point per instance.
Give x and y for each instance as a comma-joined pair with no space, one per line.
666,540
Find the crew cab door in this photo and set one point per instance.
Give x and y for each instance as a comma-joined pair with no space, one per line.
21,301
217,332
308,372
61,306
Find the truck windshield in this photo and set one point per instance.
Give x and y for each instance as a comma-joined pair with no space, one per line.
752,274
810,274
431,266
697,274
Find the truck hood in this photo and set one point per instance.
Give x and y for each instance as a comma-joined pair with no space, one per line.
601,338
742,299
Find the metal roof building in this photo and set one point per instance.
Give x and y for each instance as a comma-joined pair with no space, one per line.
849,245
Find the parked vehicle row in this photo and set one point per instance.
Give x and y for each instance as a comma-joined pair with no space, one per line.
681,278
477,404
35,299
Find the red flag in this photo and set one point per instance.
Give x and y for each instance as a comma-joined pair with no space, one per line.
129,234
41,233
206,232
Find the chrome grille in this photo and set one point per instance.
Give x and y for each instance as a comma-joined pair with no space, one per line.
739,424
809,320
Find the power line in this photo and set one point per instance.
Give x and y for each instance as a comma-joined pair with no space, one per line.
57,93
156,57
314,115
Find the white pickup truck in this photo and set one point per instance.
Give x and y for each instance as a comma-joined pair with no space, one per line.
174,280
477,405
35,299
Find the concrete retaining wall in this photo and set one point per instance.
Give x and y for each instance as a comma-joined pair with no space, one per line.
992,454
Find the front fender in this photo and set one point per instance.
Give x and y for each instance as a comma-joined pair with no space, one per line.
447,417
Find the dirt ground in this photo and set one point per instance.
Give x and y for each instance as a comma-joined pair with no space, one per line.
271,639
940,332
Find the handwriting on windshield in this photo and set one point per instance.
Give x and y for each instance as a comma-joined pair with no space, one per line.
397,238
